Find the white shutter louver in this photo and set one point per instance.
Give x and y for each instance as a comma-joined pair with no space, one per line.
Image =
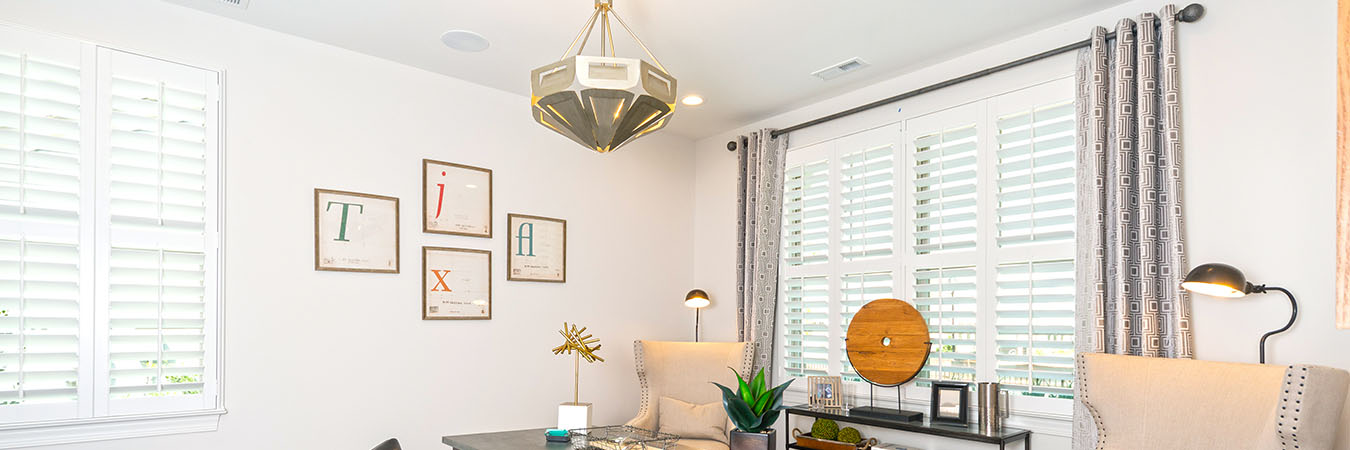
858,290
39,321
1035,322
806,214
806,318
1036,175
946,298
944,190
867,209
157,263
40,261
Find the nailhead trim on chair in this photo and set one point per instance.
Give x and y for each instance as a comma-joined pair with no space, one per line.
1083,391
1292,418
638,361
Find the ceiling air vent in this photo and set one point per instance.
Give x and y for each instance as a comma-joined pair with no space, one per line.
838,69
241,4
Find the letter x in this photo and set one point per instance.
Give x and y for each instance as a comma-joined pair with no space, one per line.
440,281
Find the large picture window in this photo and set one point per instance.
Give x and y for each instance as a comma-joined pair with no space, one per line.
109,233
968,214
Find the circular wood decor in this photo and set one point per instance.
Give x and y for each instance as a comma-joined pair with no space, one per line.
887,342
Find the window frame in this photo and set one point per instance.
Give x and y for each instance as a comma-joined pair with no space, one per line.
983,109
102,418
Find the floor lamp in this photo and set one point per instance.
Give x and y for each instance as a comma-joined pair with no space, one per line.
1222,280
698,300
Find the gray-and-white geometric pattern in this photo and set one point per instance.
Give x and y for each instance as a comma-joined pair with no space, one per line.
1131,253
759,227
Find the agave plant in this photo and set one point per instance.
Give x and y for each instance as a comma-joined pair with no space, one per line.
753,407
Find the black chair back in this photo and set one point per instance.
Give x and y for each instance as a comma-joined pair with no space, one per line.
391,444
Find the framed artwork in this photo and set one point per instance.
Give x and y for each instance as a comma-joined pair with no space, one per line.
536,249
950,402
825,392
355,232
1343,168
456,199
456,284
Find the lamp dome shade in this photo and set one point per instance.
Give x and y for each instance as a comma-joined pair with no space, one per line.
1219,280
696,299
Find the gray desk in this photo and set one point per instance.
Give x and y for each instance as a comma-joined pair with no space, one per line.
504,440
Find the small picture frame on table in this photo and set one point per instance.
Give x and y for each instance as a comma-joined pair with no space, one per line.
950,402
825,392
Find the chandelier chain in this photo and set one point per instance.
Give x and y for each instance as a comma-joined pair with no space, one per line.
602,14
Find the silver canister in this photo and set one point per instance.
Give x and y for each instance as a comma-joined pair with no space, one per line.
993,407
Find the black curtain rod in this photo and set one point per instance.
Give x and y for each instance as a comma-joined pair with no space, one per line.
1190,13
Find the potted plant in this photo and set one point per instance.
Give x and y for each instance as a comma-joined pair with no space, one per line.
753,408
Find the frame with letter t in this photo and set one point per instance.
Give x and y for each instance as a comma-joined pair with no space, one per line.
355,232
456,284
536,248
456,199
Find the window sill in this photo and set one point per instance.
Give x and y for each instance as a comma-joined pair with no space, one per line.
107,428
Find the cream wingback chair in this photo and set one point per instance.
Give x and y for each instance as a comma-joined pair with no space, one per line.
685,371
1160,403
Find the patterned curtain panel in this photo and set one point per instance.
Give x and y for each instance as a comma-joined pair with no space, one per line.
759,227
1130,249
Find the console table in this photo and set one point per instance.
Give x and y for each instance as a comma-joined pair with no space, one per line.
948,430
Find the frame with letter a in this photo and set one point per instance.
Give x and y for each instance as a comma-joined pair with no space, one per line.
536,248
456,284
355,232
456,199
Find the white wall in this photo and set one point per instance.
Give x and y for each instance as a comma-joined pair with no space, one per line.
1259,131
343,360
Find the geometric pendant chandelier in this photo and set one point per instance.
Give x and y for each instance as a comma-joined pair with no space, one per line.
602,102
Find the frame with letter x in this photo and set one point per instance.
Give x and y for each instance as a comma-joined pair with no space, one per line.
456,284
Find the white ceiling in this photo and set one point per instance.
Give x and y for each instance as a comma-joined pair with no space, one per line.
749,58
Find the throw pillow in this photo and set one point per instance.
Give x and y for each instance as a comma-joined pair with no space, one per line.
690,421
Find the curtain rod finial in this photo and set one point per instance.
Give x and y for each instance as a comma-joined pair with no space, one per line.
1191,13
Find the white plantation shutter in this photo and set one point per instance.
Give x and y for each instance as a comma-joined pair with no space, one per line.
806,213
858,289
806,318
945,190
161,243
1036,175
1034,320
867,210
946,297
42,268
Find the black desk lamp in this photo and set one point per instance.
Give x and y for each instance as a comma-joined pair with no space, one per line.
1222,280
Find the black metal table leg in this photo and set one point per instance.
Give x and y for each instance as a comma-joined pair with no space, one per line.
1028,446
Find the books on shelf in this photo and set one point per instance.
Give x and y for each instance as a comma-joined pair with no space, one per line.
884,446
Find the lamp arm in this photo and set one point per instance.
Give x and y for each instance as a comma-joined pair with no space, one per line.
1292,317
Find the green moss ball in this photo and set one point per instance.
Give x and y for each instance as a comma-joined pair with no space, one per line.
825,429
849,435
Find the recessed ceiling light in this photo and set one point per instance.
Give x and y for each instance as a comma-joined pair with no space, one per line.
692,100
465,41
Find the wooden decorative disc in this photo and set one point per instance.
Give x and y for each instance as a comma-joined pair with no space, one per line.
887,342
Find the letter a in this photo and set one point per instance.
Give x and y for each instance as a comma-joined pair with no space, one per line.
521,236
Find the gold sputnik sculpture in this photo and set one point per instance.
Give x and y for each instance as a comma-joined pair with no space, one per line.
575,343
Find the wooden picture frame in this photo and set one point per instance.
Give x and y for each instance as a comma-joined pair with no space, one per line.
825,391
371,247
462,199
537,253
1343,167
941,404
461,285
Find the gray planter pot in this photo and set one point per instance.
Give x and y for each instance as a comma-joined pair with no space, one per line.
754,441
